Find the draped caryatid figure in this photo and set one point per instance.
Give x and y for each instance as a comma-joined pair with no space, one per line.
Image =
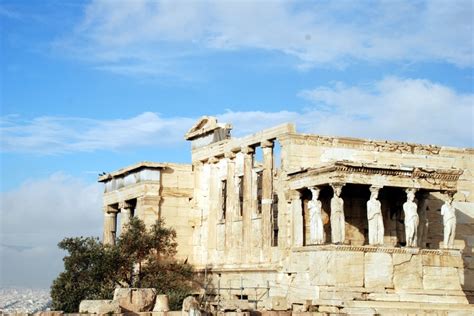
411,219
316,220
374,216
449,220
338,234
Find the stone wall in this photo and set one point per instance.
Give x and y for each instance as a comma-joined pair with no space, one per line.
346,273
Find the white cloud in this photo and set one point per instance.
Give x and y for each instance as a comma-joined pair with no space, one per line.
35,217
51,135
148,37
394,109
414,110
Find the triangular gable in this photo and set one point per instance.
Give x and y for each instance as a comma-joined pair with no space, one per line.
204,126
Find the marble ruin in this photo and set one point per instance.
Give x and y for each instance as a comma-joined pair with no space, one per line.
291,221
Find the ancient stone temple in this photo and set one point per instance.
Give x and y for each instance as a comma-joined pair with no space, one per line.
290,221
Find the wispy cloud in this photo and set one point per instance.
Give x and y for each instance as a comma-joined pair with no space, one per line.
52,135
148,37
394,108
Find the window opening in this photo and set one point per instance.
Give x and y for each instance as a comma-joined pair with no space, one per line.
259,191
275,227
223,199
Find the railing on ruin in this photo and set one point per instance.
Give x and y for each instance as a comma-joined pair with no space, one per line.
259,293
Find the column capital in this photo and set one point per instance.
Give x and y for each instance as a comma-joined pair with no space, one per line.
124,205
448,195
411,190
109,209
292,195
212,160
375,188
247,150
314,188
229,155
236,149
199,163
337,185
266,144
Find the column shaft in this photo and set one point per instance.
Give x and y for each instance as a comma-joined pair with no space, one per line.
126,215
297,215
247,205
267,192
110,228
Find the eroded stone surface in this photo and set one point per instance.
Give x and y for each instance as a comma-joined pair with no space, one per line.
135,300
407,271
378,270
436,278
99,307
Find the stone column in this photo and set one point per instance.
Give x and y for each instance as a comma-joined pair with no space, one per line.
247,205
214,238
267,192
110,226
231,199
126,215
338,221
297,215
231,209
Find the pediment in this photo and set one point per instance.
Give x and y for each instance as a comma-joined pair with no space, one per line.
204,126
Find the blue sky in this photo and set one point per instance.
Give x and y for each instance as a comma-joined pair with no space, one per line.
92,86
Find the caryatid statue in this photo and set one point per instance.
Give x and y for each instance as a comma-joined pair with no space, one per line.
316,229
338,223
449,220
411,219
374,215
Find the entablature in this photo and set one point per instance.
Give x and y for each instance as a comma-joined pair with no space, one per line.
231,145
375,174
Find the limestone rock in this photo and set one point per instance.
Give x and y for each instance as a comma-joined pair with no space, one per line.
135,300
446,278
378,270
99,307
347,268
48,313
276,303
235,305
161,303
442,261
407,271
188,303
336,268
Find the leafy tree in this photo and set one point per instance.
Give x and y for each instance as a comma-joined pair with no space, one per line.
88,273
141,258
169,278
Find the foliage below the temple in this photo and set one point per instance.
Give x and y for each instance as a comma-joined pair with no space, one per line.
140,258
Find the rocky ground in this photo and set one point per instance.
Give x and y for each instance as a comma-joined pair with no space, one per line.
24,300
